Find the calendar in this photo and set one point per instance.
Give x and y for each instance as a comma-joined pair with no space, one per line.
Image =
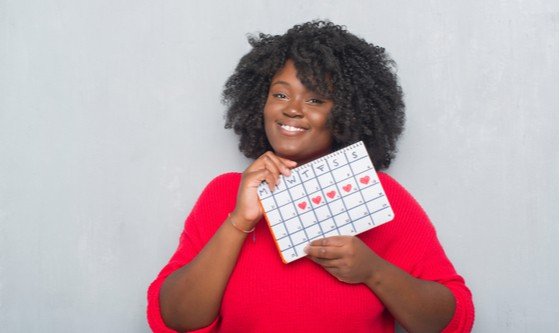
337,194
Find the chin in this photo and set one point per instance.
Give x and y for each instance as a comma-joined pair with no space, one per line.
300,152
288,153
298,156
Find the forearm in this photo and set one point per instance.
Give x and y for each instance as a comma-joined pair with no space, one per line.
190,298
418,305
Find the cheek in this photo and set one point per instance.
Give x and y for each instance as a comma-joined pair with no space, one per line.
266,115
321,122
267,121
320,117
269,109
323,136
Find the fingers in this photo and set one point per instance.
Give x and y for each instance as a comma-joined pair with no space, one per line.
268,167
330,258
274,162
327,263
330,241
274,169
279,164
345,257
263,175
325,248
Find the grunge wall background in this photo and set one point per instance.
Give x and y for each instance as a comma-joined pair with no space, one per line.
111,125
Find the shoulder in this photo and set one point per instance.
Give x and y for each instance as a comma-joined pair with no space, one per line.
409,214
223,182
220,192
389,183
214,203
226,178
396,193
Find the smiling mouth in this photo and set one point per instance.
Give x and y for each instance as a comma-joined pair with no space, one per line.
289,128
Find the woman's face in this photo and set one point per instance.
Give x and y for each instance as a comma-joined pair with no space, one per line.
295,118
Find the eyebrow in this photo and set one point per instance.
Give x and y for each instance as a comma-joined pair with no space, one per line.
284,83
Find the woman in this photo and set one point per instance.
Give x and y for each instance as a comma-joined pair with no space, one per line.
294,98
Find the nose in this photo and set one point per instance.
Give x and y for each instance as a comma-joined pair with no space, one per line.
294,109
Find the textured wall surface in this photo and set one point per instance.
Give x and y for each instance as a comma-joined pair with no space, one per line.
111,125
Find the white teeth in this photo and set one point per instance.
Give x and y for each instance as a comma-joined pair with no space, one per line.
292,129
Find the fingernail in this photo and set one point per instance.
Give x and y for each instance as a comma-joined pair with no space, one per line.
306,249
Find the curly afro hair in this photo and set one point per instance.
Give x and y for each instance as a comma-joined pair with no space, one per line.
359,77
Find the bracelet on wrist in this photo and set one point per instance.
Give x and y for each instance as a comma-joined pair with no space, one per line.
237,227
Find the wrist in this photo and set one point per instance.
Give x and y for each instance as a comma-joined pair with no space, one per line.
240,224
376,273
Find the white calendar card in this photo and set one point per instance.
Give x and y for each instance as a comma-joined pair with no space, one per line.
337,194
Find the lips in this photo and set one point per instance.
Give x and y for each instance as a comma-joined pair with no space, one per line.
291,128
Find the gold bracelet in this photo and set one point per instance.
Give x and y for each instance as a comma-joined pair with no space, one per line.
238,228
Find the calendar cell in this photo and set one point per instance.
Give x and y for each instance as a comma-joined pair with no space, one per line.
284,243
293,225
342,173
297,192
279,230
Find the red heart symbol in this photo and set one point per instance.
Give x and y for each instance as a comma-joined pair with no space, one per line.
316,200
331,194
347,188
302,205
364,180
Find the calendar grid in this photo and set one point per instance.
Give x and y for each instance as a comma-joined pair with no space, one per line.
280,212
331,215
314,212
338,194
364,199
299,220
310,238
343,202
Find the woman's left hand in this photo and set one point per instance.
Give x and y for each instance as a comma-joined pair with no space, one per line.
346,257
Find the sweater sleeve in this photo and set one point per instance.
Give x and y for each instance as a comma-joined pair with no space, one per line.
210,210
417,250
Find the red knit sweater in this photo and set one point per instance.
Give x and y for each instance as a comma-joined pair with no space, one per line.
266,295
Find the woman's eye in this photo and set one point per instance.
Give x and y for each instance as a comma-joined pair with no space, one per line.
316,101
279,95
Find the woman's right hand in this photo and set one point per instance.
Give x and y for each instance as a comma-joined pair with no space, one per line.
268,167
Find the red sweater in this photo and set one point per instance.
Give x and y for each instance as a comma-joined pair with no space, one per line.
266,295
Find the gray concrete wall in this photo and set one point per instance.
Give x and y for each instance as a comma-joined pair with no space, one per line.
111,124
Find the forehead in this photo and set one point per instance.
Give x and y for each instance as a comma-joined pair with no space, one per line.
289,74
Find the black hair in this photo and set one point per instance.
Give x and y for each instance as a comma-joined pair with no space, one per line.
358,76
